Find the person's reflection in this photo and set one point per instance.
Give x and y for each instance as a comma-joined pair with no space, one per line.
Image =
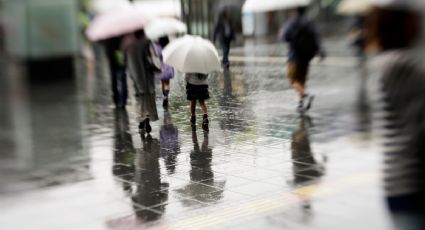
306,168
123,151
230,105
169,145
150,192
227,89
202,186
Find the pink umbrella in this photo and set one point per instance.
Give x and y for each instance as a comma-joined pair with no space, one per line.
114,24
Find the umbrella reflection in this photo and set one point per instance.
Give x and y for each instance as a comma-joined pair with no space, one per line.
202,186
169,145
306,168
150,191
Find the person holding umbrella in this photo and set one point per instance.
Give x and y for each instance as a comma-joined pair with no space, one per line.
395,32
142,65
197,91
196,57
167,72
303,46
117,71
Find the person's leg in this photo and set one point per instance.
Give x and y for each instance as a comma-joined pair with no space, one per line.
205,120
165,87
148,126
226,50
291,74
165,91
113,72
303,72
114,86
297,75
192,112
203,106
123,88
300,88
141,117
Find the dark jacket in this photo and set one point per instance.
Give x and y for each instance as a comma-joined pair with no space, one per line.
223,35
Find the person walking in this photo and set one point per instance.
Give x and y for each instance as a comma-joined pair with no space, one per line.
117,71
394,31
142,67
357,35
304,44
197,91
225,33
167,72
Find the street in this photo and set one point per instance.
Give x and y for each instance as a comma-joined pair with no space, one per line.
261,166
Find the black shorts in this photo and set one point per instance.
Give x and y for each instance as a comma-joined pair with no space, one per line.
197,92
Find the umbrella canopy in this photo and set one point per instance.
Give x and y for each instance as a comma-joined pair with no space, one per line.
353,7
164,26
255,6
110,25
104,6
159,8
192,54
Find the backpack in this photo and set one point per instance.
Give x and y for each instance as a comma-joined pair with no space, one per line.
304,42
154,60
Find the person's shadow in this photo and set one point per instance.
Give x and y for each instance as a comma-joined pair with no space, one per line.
306,168
124,151
169,143
202,186
150,191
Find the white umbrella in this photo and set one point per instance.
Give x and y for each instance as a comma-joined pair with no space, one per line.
104,6
255,6
159,27
192,54
159,8
352,7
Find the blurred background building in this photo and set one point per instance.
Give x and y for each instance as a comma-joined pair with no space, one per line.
33,35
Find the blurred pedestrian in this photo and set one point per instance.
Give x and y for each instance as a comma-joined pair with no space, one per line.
167,72
392,30
117,71
197,91
143,62
357,35
304,44
225,33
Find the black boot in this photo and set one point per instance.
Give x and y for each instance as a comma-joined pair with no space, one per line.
205,122
147,125
165,102
142,127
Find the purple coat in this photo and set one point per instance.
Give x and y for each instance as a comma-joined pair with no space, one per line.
167,71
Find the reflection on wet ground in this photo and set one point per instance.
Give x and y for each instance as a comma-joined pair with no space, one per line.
261,166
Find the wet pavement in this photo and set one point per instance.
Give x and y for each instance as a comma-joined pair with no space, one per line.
72,161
